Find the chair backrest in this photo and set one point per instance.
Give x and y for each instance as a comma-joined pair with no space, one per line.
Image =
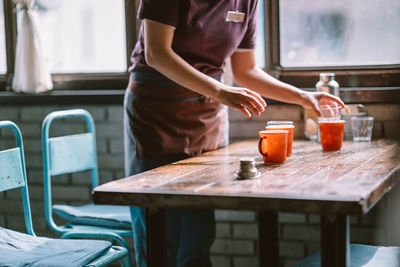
67,154
13,172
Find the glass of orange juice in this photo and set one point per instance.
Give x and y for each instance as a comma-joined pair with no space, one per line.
331,133
283,125
273,145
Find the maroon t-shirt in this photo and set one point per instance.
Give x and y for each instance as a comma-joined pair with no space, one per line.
203,37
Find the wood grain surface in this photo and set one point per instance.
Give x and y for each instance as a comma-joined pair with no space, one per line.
348,181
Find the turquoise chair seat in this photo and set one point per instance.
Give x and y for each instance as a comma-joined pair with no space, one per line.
361,256
99,215
19,249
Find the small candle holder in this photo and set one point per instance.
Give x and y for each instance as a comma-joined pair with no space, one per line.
247,169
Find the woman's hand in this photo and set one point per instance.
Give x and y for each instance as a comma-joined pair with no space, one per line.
241,99
316,99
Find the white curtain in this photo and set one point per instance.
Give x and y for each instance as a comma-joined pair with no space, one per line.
31,74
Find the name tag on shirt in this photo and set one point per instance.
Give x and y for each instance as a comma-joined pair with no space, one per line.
235,16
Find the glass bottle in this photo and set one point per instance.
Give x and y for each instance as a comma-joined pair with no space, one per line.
327,84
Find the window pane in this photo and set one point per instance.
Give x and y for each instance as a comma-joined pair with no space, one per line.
3,61
260,45
339,33
84,35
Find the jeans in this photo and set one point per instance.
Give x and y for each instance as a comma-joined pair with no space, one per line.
189,234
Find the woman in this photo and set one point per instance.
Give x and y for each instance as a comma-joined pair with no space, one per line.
175,105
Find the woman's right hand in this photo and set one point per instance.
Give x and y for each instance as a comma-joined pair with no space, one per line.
242,99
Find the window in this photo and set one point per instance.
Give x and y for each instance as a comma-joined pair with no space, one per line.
260,45
339,33
84,36
3,61
88,42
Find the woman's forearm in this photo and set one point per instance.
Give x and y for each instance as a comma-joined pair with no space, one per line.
269,87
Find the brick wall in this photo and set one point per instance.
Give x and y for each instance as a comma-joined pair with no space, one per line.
236,243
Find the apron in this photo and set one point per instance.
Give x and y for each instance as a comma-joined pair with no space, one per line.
170,120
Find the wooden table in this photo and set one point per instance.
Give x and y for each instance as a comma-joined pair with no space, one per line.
333,184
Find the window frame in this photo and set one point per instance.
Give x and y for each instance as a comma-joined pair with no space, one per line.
354,80
73,81
306,77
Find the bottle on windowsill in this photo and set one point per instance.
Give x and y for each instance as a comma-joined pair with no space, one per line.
327,84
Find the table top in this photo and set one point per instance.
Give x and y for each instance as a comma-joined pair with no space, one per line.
349,181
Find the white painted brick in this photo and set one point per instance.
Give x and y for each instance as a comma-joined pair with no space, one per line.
60,128
240,216
60,179
33,160
368,235
28,129
37,207
98,112
71,193
6,143
111,161
316,219
11,205
36,192
32,145
290,262
245,230
39,223
292,249
312,246
37,113
116,146
301,232
106,176
220,261
291,218
109,130
235,247
16,223
119,174
245,261
101,145
115,113
223,230
81,178
9,113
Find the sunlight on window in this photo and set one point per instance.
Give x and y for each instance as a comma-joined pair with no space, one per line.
84,35
260,45
3,60
342,32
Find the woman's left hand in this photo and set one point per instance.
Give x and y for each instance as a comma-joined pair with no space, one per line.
316,99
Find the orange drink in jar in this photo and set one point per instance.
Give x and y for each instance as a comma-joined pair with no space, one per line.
331,133
283,125
272,145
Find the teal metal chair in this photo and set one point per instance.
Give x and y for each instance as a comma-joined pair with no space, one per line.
27,249
74,153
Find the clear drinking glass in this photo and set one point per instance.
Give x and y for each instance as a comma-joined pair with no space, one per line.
362,128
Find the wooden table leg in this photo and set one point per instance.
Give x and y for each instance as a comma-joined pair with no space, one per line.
335,241
156,237
268,239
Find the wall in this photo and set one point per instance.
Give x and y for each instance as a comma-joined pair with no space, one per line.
236,243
